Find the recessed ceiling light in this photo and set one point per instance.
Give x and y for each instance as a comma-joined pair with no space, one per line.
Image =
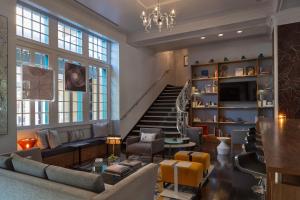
220,35
239,32
203,38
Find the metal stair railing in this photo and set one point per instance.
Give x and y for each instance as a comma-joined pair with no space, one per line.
181,104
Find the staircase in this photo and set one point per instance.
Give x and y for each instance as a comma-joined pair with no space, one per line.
162,113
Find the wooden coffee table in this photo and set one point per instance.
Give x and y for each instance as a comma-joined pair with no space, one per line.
177,144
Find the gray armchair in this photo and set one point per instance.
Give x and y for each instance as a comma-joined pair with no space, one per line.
195,135
134,146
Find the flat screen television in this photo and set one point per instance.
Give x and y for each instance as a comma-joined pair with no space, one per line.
238,91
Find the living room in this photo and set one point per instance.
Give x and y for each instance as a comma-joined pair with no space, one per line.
147,99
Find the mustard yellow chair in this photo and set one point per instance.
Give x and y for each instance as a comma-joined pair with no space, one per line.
203,158
199,157
188,176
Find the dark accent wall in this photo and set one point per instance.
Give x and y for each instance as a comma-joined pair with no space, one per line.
289,69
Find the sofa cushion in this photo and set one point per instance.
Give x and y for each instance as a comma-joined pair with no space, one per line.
5,162
29,167
76,135
79,179
42,141
100,129
53,139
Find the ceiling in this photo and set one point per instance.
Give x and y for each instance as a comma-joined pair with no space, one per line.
194,18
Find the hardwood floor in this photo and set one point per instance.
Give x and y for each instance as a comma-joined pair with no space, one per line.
226,182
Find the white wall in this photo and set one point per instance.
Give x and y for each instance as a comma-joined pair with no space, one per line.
138,68
8,142
232,49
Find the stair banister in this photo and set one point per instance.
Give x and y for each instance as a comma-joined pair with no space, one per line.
181,104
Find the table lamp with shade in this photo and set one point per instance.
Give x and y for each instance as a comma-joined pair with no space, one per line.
113,140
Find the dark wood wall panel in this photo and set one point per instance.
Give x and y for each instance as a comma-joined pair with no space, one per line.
289,69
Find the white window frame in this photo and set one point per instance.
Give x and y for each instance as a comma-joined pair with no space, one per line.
54,53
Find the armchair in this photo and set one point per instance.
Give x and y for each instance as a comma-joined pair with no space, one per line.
195,134
134,145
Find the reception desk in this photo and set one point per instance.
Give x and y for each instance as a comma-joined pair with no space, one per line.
281,145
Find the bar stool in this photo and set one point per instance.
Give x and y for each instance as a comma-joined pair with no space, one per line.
249,163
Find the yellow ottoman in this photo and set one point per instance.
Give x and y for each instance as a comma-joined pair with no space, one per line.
201,157
189,173
182,155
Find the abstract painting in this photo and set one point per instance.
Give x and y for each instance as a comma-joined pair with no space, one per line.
3,74
289,70
75,77
37,83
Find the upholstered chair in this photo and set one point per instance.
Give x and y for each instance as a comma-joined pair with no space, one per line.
195,135
139,146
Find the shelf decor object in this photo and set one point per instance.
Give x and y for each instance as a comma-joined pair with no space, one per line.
158,18
211,110
3,74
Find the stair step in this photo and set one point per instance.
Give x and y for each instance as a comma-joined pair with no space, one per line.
166,100
170,93
164,104
162,112
155,126
167,133
160,116
162,107
158,121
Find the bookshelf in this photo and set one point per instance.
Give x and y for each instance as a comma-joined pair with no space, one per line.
224,117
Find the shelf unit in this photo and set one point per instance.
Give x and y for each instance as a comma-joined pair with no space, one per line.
224,116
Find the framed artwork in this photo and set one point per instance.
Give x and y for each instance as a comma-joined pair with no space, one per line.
186,60
75,77
37,83
3,74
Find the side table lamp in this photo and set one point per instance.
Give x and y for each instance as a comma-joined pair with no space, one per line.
112,140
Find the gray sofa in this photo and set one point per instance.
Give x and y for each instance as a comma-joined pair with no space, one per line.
15,186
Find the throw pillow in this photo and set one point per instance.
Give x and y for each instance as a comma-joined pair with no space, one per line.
5,162
42,141
100,129
83,180
53,139
148,137
29,167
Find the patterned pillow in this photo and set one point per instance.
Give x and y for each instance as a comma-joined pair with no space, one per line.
148,137
53,139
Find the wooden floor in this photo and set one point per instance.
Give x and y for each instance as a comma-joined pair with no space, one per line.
225,182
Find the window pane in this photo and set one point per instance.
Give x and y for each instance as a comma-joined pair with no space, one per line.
69,38
97,48
32,25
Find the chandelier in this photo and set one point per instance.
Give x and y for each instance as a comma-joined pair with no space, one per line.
158,18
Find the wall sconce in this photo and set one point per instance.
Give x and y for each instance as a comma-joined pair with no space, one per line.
27,143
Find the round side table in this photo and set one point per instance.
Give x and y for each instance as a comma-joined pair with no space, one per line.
223,148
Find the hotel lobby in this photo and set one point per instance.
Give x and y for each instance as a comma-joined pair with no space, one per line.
149,99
